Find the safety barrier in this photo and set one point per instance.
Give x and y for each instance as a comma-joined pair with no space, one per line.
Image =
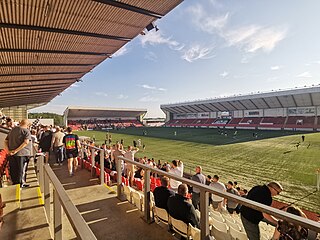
204,199
60,199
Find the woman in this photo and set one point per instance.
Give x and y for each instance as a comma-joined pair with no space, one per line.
290,231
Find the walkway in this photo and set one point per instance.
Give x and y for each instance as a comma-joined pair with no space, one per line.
108,217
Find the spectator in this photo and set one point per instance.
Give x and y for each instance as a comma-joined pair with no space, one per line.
117,153
129,166
57,145
18,144
250,217
179,207
217,201
208,180
200,178
176,169
162,193
231,204
289,231
71,144
45,142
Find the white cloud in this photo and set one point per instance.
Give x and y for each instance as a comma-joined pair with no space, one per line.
305,75
151,56
101,94
122,96
253,38
122,51
274,68
224,74
206,22
155,38
148,99
197,52
146,86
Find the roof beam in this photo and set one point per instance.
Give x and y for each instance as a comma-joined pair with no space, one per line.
265,102
39,80
235,109
201,106
63,31
46,65
44,73
216,108
311,100
27,92
244,107
128,7
31,86
52,51
279,101
253,104
294,100
192,107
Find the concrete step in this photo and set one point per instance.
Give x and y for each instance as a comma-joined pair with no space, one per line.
27,220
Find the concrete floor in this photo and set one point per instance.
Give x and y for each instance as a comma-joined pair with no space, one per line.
108,217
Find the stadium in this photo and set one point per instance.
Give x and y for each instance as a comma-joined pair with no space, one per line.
123,74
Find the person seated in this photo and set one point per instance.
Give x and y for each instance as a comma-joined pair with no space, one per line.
290,231
180,209
139,173
162,193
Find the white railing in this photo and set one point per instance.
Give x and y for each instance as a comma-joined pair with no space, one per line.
204,199
60,199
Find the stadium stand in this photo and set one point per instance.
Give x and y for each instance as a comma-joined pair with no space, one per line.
272,111
102,118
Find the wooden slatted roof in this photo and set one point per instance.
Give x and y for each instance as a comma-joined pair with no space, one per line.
46,46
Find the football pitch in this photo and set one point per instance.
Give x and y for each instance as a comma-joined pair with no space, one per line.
249,157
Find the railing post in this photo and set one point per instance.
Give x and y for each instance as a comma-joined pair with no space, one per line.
318,179
46,196
92,162
102,166
204,221
82,156
41,171
119,180
57,220
147,196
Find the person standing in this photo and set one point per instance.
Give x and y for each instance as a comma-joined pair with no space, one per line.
200,178
217,201
250,217
72,145
176,169
57,145
45,142
18,144
231,204
129,166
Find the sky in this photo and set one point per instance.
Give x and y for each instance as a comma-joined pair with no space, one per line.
206,49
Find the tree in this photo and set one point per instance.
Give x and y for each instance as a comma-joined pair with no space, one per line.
58,119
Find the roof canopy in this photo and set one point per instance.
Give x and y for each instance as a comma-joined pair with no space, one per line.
304,97
46,46
88,112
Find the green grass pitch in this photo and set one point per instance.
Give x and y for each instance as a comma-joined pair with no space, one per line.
250,160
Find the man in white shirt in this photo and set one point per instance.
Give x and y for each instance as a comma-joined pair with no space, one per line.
128,166
176,169
57,145
217,201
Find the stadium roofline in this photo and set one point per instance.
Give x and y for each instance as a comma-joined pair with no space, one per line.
105,109
239,97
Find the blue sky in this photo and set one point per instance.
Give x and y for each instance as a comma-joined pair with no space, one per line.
206,49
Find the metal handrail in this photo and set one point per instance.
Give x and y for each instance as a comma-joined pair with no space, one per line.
61,198
204,193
